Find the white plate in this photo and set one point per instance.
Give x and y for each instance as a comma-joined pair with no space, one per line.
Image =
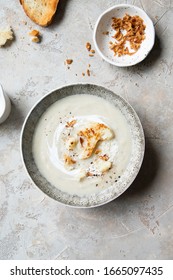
102,41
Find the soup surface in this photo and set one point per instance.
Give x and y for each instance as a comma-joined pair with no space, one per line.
82,144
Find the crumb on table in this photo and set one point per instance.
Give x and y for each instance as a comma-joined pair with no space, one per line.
69,61
34,32
35,36
88,46
88,72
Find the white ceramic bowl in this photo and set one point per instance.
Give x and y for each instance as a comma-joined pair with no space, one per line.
101,40
5,105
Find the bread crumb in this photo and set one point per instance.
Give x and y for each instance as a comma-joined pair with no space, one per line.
88,72
35,36
34,32
91,55
6,35
83,74
69,61
92,51
88,46
36,39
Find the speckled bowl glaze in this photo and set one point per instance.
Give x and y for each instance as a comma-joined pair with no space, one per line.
101,41
111,192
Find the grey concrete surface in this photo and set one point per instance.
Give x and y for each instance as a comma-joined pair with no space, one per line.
137,225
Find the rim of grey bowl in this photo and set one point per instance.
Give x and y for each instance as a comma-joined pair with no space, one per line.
95,31
134,174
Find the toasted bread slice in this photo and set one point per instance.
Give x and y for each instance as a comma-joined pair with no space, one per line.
40,11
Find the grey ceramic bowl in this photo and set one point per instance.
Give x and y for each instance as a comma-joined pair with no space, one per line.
112,192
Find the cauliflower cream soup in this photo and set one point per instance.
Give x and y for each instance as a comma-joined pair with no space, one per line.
82,144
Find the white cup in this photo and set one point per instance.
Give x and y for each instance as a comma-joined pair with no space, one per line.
5,105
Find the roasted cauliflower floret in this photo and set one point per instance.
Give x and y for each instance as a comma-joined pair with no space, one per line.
102,165
71,143
90,137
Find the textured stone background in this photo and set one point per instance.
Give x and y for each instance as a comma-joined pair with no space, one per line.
137,225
